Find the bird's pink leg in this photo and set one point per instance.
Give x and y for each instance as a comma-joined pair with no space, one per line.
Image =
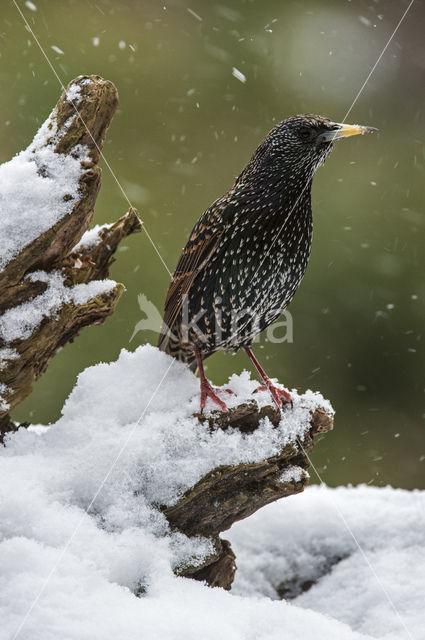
207,390
277,394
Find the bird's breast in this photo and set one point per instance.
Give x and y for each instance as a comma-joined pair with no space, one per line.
260,265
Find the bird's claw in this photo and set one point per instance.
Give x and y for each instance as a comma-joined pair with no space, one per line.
276,393
207,391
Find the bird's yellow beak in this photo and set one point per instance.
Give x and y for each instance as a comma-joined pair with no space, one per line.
345,131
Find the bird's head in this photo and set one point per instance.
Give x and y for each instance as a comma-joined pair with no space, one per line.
297,146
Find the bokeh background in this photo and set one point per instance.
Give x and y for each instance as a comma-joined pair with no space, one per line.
185,128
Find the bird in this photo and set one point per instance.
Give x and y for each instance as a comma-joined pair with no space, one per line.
248,252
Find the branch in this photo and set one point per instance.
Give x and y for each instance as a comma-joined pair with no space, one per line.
50,286
231,493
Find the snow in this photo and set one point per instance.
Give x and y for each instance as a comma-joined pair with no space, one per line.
376,589
81,533
194,14
238,75
4,405
294,474
365,21
7,354
91,237
20,322
48,177
169,460
74,94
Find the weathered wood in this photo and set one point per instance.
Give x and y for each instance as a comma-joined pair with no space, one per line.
73,123
245,417
96,108
221,572
231,493
93,262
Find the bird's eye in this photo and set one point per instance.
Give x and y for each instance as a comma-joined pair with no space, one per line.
305,133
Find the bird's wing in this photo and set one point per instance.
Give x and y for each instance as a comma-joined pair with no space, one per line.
202,243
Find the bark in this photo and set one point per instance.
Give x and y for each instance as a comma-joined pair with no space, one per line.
230,493
54,249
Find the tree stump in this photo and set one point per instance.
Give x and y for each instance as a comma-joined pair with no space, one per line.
51,286
231,493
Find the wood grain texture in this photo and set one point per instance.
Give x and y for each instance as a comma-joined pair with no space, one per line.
53,249
231,493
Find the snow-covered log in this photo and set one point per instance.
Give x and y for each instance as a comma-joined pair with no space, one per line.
51,284
85,546
230,493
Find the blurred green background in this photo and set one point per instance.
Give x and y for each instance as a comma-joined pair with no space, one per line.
186,126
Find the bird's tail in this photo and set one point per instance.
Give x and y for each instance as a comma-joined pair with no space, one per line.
172,346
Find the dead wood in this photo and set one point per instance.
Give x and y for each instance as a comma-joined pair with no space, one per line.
75,124
230,493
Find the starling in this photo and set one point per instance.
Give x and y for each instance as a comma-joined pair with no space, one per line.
248,252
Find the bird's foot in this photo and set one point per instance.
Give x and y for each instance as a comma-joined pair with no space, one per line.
276,393
208,391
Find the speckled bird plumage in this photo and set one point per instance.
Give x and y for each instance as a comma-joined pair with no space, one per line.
249,250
